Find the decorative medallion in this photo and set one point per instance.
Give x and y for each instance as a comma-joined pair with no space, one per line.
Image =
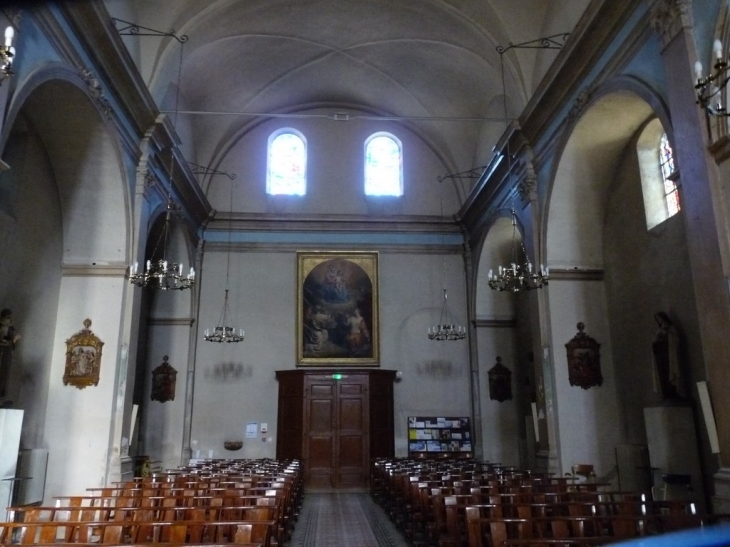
582,100
584,360
164,378
96,92
500,382
83,358
527,188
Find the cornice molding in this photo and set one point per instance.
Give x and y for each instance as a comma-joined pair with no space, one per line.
720,149
94,29
594,34
94,270
495,323
574,274
171,321
239,222
236,247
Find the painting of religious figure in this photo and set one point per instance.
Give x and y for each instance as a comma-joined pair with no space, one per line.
83,358
337,308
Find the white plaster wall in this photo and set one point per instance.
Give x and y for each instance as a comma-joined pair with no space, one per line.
335,172
435,374
77,431
161,424
496,251
588,420
263,301
502,425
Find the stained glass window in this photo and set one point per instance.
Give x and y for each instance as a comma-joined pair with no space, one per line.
666,163
287,164
383,166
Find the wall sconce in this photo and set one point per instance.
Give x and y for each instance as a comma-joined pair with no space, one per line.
7,52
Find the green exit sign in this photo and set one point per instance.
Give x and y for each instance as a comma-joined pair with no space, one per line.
337,376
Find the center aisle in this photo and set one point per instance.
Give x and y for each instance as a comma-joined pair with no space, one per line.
337,520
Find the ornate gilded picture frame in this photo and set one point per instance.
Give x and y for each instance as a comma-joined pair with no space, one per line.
164,378
337,309
83,358
584,360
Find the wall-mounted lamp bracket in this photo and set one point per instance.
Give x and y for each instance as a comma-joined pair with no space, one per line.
203,170
556,41
133,29
473,173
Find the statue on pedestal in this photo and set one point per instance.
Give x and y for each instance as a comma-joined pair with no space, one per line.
8,338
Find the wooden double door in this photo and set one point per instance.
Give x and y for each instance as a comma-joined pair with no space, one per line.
335,422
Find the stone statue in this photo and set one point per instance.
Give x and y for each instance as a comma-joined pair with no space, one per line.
8,338
667,375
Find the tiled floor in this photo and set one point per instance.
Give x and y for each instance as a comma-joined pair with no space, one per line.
344,520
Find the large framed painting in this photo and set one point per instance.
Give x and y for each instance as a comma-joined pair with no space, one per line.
337,309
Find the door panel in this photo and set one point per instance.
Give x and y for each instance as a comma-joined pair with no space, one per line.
351,417
335,431
320,415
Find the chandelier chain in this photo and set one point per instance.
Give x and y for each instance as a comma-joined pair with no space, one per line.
446,329
159,273
222,332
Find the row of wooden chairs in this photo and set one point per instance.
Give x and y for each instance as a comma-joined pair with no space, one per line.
431,503
224,502
24,533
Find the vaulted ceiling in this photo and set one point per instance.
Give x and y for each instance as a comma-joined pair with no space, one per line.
434,64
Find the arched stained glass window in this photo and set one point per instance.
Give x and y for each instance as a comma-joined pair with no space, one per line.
659,174
383,166
287,164
666,163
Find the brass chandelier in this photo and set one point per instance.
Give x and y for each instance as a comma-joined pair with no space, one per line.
518,276
161,273
223,332
710,88
7,52
446,329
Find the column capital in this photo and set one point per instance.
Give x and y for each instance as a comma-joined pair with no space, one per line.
670,17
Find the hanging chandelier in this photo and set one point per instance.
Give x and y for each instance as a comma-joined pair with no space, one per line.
710,88
446,329
7,52
161,273
222,332
518,276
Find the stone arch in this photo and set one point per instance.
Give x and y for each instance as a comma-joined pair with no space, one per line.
588,237
70,221
69,111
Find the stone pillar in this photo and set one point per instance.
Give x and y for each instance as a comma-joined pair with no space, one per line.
700,194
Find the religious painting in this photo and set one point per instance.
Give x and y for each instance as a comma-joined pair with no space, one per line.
164,378
584,360
83,358
337,308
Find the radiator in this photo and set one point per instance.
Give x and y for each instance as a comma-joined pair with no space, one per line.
32,463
